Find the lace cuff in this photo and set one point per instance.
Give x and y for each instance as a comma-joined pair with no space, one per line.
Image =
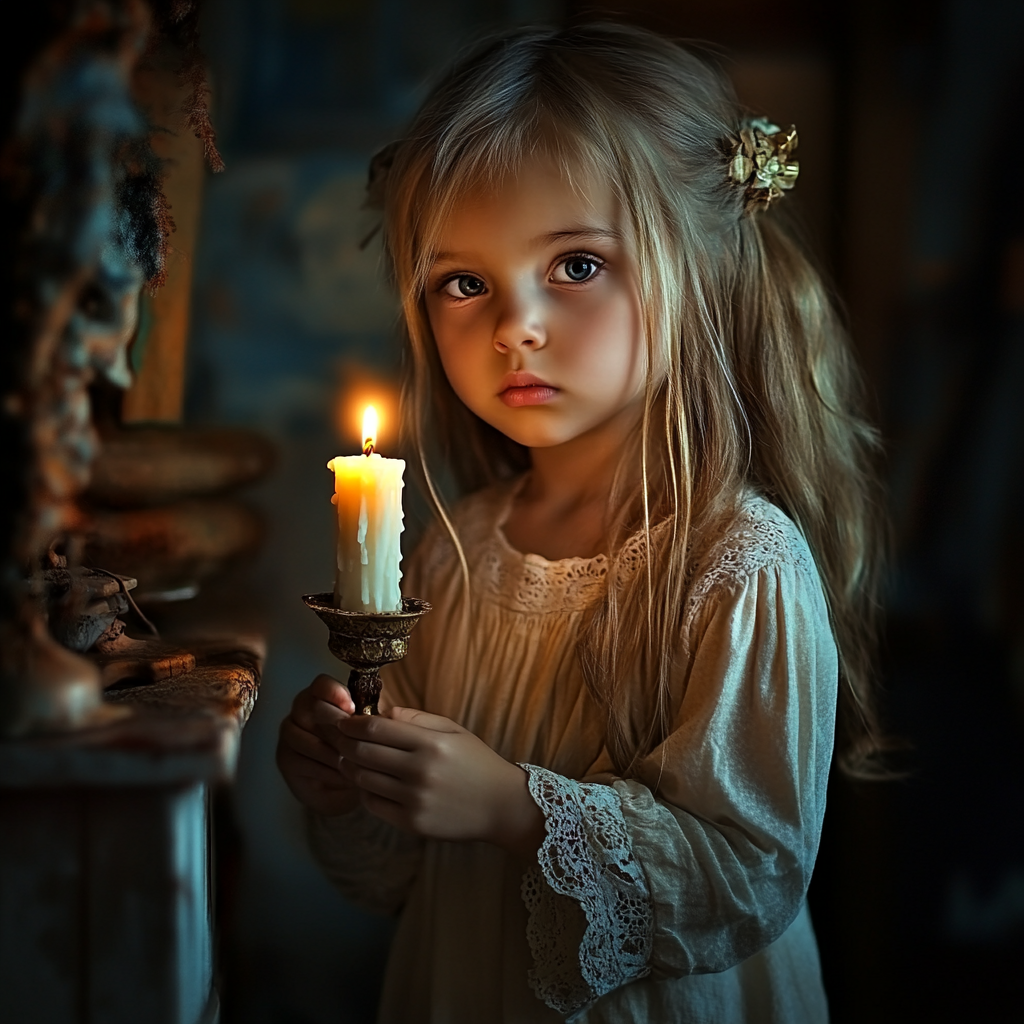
371,862
586,856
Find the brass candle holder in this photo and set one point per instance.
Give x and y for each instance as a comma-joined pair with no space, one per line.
367,640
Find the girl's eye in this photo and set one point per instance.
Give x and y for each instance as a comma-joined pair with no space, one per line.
576,269
465,286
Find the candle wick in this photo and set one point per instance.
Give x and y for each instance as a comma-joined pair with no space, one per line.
368,447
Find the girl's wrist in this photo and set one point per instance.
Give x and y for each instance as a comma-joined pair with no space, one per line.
519,828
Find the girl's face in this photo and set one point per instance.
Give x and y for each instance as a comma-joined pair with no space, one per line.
534,308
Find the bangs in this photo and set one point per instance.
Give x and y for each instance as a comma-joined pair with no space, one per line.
481,134
482,161
602,102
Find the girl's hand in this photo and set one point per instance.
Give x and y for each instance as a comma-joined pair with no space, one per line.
430,776
308,762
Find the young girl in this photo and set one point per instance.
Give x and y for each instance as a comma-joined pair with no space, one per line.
598,791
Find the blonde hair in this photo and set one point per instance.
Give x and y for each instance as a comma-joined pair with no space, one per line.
750,381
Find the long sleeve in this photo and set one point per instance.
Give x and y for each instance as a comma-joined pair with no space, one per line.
705,858
371,862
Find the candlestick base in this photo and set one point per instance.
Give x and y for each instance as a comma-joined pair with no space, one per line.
367,640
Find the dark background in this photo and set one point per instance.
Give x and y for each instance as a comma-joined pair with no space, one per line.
911,190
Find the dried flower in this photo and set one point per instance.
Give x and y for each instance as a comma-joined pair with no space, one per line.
762,162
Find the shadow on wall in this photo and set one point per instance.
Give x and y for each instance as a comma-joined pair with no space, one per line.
956,633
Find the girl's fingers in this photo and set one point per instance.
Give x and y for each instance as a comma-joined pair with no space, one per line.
317,716
369,781
376,756
307,744
423,719
408,730
381,730
299,766
327,688
324,719
311,713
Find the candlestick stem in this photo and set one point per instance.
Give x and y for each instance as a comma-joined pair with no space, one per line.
367,640
364,685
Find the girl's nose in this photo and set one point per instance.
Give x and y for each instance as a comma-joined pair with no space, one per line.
520,326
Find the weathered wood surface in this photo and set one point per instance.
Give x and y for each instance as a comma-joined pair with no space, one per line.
123,660
185,728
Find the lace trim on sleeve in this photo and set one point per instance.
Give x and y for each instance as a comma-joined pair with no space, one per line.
586,856
371,862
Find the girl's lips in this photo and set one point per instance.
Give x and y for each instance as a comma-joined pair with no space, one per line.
532,394
520,388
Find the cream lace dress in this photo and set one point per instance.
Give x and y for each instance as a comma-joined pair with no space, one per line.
684,906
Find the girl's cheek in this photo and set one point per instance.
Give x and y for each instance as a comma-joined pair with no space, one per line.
463,374
454,324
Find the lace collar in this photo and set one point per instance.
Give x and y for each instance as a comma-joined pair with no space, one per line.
528,582
761,535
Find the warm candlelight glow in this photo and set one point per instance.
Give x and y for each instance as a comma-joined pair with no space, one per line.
369,430
359,386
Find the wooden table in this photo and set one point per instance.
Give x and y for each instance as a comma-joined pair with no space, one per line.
105,880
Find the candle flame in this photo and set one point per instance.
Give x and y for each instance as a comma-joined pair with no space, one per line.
369,430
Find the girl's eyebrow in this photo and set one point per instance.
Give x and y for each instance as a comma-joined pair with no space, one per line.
582,234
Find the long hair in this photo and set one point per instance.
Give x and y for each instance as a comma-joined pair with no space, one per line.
749,381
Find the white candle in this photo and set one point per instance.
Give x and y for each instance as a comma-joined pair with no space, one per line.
368,498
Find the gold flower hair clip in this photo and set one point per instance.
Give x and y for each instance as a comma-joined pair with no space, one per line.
761,160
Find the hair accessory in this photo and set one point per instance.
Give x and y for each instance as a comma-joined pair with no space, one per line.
380,166
376,185
762,161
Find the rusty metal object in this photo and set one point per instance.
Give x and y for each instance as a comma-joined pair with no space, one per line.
365,641
83,604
